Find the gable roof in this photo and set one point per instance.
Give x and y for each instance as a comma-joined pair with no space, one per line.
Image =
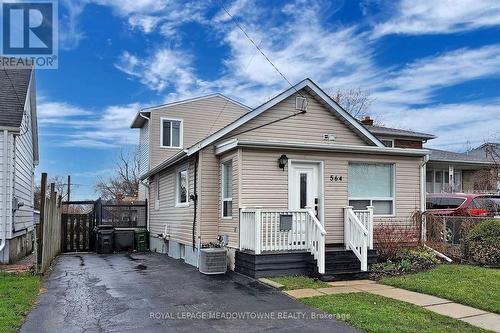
306,84
14,84
138,121
397,132
312,89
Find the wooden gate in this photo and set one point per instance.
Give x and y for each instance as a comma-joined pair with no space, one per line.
77,226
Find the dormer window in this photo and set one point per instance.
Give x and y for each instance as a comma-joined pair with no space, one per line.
171,133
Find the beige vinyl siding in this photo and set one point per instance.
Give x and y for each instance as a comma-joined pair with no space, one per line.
178,219
143,157
208,195
264,184
229,226
308,127
200,119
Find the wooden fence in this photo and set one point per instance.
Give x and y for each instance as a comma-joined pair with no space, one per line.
49,227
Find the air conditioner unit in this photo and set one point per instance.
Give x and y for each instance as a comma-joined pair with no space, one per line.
301,103
213,261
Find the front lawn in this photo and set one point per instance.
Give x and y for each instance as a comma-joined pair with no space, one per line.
478,287
374,314
17,294
299,282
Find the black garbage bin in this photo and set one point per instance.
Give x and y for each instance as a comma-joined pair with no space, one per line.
104,240
124,239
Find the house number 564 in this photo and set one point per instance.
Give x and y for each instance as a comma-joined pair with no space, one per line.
335,178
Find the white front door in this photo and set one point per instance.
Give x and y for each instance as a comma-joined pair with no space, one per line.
304,187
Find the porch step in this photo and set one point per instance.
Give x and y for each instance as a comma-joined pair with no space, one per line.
341,264
344,276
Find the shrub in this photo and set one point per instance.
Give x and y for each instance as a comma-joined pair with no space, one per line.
407,260
391,239
483,243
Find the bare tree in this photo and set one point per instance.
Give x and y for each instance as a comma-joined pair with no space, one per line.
60,185
125,181
355,101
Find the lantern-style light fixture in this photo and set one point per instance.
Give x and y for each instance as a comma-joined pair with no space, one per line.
282,161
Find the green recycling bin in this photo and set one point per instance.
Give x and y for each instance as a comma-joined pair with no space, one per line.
141,240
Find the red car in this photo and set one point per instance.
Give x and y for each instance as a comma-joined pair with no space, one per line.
460,204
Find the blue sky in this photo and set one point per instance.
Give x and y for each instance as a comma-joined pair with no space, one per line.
431,66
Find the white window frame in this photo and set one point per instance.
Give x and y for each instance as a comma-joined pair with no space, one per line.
230,180
157,192
178,173
371,199
181,133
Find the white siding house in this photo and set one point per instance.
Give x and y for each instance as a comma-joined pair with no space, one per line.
18,158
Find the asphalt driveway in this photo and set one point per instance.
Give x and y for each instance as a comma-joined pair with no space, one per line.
154,293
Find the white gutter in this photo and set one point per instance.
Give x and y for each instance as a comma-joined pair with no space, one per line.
232,144
5,185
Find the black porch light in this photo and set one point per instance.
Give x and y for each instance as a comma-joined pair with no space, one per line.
282,161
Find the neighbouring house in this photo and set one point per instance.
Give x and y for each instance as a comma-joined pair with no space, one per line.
294,186
447,171
18,159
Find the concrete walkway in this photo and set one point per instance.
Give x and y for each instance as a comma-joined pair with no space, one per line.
476,317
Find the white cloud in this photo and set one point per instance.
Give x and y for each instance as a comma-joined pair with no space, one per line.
417,82
438,17
72,126
146,23
456,125
165,68
69,31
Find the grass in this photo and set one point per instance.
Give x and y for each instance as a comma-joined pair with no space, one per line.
374,314
299,282
17,295
470,285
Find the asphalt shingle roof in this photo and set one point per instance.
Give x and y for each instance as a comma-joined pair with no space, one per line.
11,109
382,130
444,155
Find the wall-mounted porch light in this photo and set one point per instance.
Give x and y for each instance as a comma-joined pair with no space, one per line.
282,161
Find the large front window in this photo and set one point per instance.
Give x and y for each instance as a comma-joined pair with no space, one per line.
372,184
171,133
227,189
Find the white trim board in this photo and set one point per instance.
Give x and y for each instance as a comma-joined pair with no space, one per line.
232,144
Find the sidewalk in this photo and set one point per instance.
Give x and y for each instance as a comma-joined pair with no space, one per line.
476,317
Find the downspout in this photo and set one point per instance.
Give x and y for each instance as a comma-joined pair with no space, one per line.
5,186
194,197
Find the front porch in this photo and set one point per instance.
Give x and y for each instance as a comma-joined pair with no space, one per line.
275,242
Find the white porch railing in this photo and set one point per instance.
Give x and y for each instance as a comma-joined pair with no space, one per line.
261,230
358,233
